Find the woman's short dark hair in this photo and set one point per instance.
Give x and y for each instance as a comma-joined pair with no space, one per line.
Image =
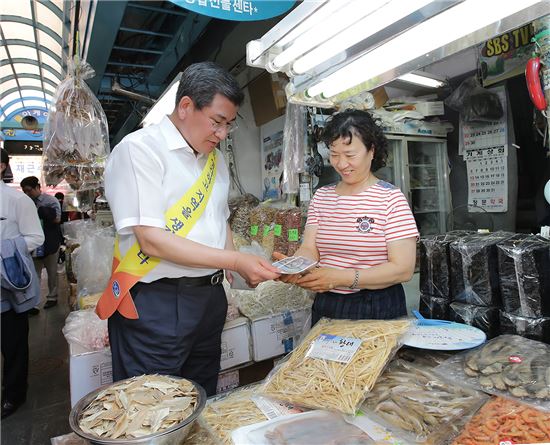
349,123
202,81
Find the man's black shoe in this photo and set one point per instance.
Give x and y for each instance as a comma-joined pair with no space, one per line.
8,408
50,303
33,311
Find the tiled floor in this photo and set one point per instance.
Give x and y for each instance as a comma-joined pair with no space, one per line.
46,412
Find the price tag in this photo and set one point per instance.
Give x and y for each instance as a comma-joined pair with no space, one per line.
278,229
293,234
273,409
334,348
253,230
267,228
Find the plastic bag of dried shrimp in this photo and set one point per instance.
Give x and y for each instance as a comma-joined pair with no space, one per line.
76,136
337,364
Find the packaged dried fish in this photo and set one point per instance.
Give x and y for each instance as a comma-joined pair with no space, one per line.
337,364
417,405
229,411
76,136
139,407
508,365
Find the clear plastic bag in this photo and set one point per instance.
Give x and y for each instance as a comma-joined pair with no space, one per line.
94,261
294,146
502,420
485,318
272,297
313,427
475,103
418,406
239,219
86,329
226,412
434,263
287,231
533,328
474,269
434,307
337,364
524,272
508,365
76,136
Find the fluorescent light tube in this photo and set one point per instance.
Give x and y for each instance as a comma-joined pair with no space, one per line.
419,79
329,21
450,25
388,14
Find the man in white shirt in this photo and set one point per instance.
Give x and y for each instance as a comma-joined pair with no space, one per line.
18,218
181,303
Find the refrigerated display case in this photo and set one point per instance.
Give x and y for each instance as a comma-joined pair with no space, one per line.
419,167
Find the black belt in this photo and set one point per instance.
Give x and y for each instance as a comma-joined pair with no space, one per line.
209,280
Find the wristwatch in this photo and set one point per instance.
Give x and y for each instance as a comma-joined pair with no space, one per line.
355,280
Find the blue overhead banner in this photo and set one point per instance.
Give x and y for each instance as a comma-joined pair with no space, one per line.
237,10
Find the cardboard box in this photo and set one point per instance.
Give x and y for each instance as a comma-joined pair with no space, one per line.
88,370
227,381
235,343
268,97
278,334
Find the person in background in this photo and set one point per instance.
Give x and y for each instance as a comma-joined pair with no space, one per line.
181,303
49,212
361,230
64,215
19,226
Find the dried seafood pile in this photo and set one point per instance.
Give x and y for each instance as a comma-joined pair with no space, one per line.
333,385
506,421
514,364
230,412
138,407
419,403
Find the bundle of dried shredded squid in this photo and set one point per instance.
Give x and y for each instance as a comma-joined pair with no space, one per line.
331,385
220,417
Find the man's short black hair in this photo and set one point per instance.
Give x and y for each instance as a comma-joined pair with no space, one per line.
60,195
202,81
5,157
30,181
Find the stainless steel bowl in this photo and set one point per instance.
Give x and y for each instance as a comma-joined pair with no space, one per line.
170,436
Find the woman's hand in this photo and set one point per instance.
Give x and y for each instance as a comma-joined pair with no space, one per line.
322,279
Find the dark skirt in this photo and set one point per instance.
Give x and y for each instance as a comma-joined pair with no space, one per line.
379,304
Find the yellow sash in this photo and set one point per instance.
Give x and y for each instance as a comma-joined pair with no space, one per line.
180,219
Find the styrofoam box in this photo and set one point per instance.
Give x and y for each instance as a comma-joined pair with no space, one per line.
278,334
88,370
235,343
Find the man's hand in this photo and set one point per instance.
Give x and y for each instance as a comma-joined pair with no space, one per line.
321,279
255,269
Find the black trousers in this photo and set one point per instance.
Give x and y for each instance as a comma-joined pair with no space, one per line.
379,304
15,350
178,332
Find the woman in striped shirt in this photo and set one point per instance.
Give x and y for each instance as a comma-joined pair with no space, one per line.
361,231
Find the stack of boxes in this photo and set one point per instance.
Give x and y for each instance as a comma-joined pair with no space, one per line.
498,282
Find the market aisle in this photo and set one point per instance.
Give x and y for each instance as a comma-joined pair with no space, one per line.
46,411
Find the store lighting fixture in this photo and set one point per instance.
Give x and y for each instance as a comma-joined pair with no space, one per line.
446,27
164,105
425,80
332,48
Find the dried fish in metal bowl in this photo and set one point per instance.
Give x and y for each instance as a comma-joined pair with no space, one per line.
149,409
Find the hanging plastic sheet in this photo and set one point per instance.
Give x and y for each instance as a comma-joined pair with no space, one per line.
294,146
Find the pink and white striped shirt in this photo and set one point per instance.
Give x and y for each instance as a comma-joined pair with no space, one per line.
353,231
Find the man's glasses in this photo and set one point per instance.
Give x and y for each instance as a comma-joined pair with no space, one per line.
229,127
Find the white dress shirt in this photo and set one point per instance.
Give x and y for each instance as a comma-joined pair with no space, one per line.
147,172
19,217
